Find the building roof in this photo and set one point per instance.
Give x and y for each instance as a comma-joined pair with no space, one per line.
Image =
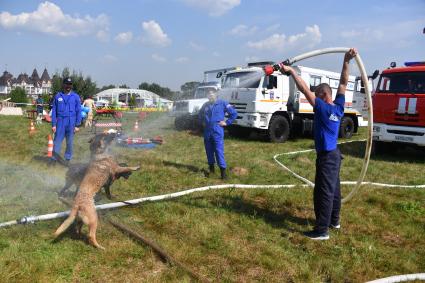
45,76
5,78
35,77
23,78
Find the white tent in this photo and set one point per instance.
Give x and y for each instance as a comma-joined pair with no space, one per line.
144,98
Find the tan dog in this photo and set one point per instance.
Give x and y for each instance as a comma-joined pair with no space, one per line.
76,172
101,171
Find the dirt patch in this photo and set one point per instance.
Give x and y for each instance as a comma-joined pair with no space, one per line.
239,171
392,239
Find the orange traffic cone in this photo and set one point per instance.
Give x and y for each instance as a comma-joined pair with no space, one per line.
136,126
49,146
31,129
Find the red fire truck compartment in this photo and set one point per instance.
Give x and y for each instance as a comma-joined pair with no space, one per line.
399,98
399,107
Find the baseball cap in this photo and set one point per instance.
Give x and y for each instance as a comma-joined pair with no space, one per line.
67,81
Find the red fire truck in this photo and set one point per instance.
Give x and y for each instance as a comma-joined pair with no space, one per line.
399,107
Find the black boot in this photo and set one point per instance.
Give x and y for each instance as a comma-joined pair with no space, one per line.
212,168
223,173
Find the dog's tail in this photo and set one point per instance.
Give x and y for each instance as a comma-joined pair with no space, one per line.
67,221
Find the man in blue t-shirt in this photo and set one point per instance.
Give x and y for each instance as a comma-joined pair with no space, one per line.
327,119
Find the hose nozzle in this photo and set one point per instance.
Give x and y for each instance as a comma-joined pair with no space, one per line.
269,69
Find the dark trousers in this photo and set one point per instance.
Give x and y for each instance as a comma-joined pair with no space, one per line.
327,192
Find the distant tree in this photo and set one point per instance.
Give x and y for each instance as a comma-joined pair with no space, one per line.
132,101
105,87
84,86
188,89
124,86
164,92
18,95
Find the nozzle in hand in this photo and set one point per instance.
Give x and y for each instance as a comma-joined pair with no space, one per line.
269,69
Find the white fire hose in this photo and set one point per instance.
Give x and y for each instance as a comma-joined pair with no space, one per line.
369,110
358,183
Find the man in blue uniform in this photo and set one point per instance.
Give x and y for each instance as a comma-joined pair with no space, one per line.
212,118
66,118
327,119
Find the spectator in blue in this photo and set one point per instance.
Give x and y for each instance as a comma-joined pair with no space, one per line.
39,105
212,117
66,118
327,119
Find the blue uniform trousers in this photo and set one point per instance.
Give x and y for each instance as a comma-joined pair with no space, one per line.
327,192
214,146
64,129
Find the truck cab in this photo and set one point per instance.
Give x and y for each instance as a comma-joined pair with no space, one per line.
186,111
399,107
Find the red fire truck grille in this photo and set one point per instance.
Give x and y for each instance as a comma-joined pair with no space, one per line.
409,133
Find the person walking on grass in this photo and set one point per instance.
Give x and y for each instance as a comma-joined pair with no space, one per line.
327,119
89,102
211,116
39,102
66,118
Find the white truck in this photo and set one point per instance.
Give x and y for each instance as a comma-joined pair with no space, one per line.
275,107
186,111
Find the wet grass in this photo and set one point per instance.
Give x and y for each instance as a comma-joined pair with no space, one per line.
226,236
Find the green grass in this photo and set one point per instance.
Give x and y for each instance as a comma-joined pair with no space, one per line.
226,235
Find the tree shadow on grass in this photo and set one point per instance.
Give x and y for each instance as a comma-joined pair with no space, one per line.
238,204
397,154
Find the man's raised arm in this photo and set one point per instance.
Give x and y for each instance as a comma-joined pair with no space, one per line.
301,85
343,81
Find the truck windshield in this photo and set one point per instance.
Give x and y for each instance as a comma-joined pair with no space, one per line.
407,82
203,91
249,79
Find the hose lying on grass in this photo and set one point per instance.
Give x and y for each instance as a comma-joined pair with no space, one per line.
32,219
400,278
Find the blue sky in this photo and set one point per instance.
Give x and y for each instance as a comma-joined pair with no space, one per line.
172,42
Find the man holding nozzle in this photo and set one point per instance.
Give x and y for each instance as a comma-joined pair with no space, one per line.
327,119
212,117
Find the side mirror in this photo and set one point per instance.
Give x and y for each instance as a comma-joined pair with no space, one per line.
393,65
219,74
375,74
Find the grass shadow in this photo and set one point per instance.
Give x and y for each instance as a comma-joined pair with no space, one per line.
238,204
397,154
184,166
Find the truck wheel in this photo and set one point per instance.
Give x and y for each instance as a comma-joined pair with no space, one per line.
278,129
180,123
346,129
239,132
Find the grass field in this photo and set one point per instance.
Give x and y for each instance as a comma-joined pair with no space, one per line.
225,236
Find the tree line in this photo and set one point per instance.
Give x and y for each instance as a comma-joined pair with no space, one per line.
86,87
